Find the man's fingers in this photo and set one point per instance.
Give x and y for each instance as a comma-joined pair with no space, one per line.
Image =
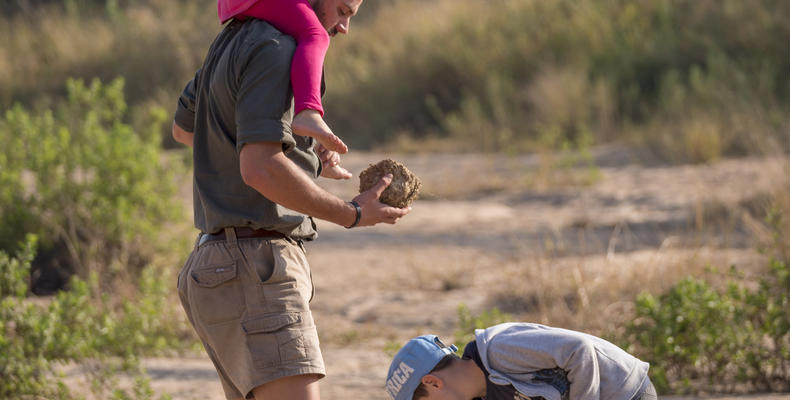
373,211
393,214
393,218
382,184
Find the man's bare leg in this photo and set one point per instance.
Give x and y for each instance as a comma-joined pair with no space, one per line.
300,387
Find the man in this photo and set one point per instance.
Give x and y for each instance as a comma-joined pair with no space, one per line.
518,361
246,285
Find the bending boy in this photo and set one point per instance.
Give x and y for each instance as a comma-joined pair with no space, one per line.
515,361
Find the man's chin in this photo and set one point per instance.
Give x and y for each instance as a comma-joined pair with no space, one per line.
332,32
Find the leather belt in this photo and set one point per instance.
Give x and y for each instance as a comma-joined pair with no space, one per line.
241,233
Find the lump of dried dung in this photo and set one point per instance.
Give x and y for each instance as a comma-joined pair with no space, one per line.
403,190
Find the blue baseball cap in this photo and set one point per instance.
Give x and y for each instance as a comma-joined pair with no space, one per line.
415,360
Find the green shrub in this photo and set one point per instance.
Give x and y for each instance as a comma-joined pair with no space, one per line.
14,273
75,327
700,339
80,178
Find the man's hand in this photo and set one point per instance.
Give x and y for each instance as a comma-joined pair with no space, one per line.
330,164
374,211
265,168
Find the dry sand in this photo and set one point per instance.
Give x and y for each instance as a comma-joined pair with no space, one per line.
488,237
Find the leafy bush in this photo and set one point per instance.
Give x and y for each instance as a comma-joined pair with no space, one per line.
83,181
74,327
700,339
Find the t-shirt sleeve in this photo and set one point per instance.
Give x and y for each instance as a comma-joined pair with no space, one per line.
264,97
185,110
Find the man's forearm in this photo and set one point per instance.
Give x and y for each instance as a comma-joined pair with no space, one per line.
266,169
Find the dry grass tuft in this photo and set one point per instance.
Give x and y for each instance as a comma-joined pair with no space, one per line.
596,293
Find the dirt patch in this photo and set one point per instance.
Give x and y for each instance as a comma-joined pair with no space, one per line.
565,255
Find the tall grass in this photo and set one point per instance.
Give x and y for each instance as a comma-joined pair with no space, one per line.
693,80
154,45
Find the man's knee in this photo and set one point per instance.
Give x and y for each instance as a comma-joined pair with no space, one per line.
299,387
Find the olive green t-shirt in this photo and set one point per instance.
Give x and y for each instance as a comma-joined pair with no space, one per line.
242,95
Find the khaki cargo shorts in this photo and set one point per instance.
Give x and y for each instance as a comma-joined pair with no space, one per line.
248,301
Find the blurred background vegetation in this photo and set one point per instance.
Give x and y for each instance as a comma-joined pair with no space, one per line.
87,88
688,80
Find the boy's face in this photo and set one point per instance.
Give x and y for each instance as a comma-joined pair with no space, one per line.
444,395
335,15
450,384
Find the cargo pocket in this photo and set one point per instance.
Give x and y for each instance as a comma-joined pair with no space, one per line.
216,293
275,339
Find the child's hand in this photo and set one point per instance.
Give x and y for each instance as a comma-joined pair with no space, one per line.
330,163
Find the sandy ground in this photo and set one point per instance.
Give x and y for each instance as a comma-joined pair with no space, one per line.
492,229
355,378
